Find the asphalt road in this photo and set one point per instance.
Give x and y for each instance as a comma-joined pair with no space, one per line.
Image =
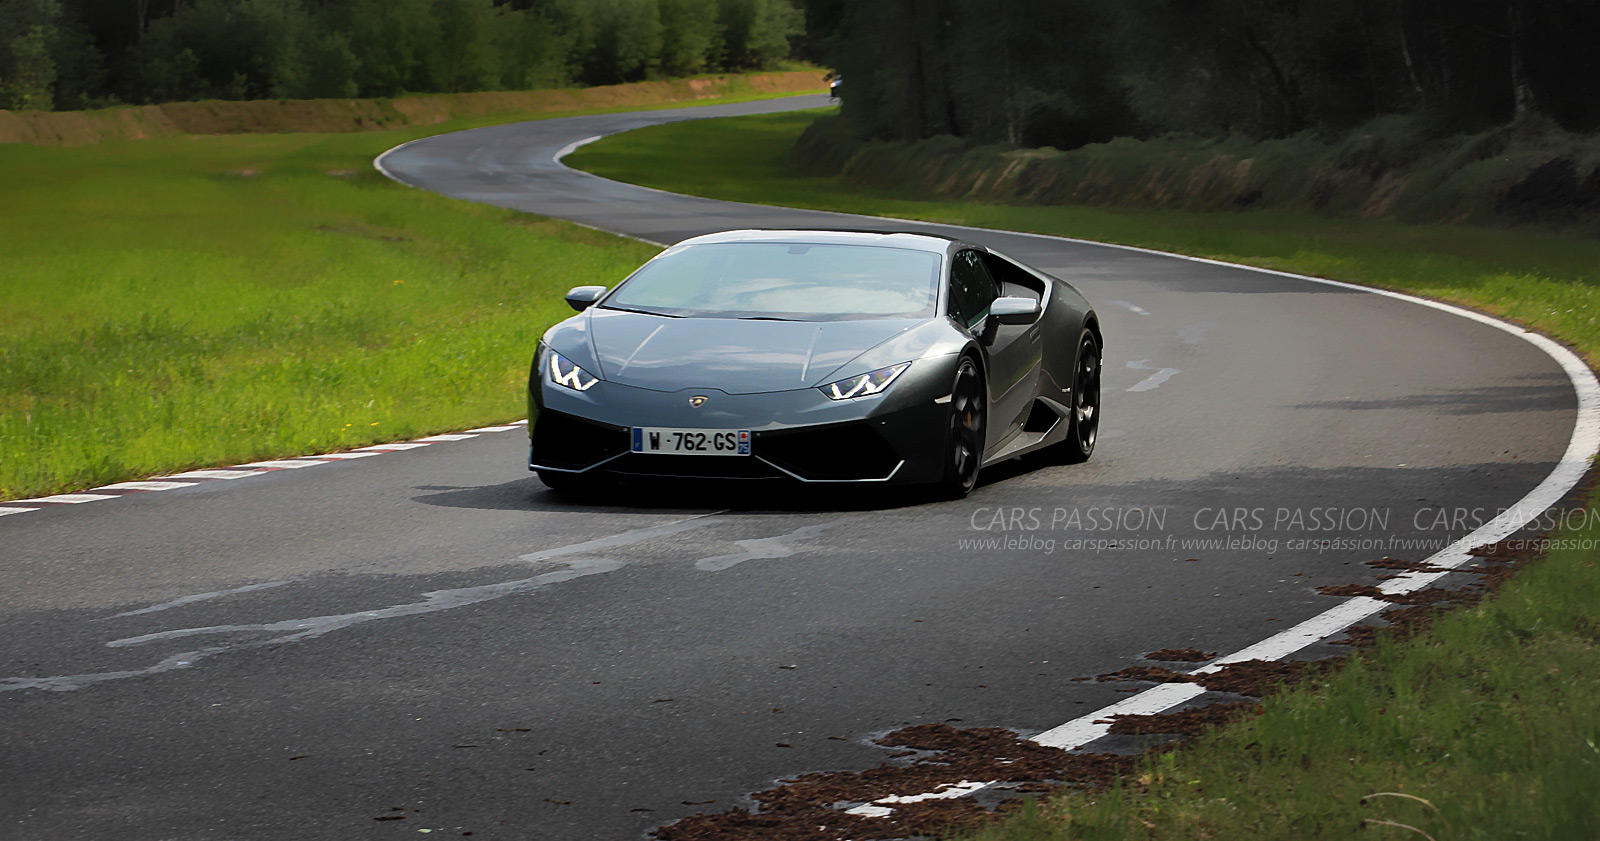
437,636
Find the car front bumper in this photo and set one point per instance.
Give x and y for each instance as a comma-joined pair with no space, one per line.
801,435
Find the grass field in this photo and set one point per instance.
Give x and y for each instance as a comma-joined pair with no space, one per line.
201,300
1489,716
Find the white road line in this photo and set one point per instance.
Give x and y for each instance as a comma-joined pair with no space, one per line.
255,468
948,791
215,473
377,163
567,149
71,499
147,486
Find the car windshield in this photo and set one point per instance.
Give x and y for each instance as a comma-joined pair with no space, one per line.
788,281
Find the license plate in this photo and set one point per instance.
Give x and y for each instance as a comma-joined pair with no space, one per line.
691,442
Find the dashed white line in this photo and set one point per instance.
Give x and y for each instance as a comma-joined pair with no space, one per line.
947,791
215,473
147,486
243,471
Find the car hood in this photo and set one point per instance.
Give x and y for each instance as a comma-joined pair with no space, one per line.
731,355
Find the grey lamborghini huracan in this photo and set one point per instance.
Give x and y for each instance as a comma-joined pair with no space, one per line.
816,356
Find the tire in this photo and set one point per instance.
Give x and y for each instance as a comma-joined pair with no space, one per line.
965,431
1083,425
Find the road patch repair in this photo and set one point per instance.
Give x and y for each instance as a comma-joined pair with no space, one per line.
191,478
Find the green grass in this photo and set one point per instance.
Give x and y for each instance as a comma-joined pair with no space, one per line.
206,300
1490,715
1548,281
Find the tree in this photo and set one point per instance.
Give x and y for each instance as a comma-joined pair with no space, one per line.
28,34
688,36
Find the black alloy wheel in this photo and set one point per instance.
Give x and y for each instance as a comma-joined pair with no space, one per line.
1085,419
969,416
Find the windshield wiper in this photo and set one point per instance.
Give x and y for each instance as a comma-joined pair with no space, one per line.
641,312
765,318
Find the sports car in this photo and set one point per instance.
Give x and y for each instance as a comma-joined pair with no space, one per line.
816,357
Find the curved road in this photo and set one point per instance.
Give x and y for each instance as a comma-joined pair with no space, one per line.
430,634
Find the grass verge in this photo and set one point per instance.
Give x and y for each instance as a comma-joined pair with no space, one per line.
1488,715
199,300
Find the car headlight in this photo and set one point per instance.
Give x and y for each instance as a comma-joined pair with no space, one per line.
865,385
563,372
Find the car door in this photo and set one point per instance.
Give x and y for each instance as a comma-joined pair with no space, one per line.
1012,350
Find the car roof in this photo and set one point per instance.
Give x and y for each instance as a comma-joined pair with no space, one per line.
885,239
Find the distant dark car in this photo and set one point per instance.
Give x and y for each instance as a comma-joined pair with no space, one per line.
835,86
816,356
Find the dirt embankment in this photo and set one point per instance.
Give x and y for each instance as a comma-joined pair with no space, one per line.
78,128
1530,172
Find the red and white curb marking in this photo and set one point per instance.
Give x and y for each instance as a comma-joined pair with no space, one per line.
191,478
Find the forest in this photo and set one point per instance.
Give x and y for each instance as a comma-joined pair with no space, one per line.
1064,73
77,54
1060,73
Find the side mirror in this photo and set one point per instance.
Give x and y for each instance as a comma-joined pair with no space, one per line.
581,298
1016,310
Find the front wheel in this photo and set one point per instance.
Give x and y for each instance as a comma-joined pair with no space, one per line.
969,414
1083,425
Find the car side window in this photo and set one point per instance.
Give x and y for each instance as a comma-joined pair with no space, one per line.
972,289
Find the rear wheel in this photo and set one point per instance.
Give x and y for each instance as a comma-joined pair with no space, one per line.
1084,422
969,416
